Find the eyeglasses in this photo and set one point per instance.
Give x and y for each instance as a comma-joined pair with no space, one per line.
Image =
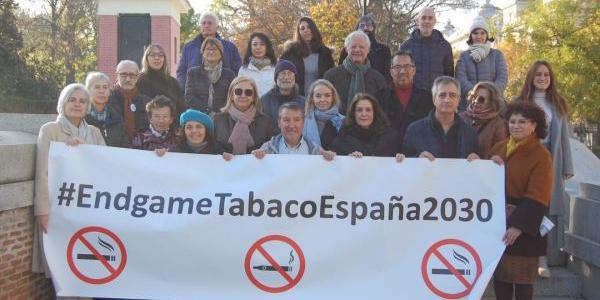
247,92
125,75
480,99
365,25
402,67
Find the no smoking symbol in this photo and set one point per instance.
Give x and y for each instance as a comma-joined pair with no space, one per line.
96,255
274,263
450,268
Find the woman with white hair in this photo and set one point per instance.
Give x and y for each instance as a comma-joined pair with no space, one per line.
71,128
102,115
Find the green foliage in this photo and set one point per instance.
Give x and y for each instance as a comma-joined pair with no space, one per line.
566,33
189,26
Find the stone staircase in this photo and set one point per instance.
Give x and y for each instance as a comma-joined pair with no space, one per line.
562,285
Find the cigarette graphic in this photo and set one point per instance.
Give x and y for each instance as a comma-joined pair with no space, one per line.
271,268
448,272
93,257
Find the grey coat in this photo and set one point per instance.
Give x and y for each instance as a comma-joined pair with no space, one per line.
562,162
493,68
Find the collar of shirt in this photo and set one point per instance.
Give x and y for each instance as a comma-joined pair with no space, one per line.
301,148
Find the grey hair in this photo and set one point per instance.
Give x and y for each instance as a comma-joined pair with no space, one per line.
293,106
444,80
427,8
127,62
92,77
209,14
66,93
355,34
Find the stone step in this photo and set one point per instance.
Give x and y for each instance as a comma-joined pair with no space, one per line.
590,191
562,283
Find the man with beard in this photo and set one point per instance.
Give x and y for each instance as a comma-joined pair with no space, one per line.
285,90
379,54
405,103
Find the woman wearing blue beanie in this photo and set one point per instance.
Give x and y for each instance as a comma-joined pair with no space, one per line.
196,134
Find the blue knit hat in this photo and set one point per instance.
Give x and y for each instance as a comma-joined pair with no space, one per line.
285,65
198,116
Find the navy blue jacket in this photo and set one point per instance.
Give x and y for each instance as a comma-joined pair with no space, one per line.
433,57
427,134
191,57
273,99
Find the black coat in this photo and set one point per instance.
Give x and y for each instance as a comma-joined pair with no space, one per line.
419,105
292,53
369,143
112,130
155,83
116,100
261,130
427,135
196,90
375,84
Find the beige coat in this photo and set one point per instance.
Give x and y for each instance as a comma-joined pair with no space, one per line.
58,131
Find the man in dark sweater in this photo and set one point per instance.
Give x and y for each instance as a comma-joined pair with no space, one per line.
285,90
405,102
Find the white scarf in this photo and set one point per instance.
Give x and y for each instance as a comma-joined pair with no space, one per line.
480,51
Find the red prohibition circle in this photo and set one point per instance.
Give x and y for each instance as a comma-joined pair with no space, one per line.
257,246
114,273
434,249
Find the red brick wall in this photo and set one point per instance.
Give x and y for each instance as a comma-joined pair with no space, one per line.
107,45
17,282
164,32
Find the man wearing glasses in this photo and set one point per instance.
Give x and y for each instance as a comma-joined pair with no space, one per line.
127,101
285,90
405,102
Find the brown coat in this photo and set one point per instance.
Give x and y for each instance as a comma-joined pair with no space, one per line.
489,133
528,178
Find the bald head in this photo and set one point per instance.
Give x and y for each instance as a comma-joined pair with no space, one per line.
426,21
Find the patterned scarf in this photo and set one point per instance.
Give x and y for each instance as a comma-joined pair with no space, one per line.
480,116
240,138
214,74
480,51
357,82
260,63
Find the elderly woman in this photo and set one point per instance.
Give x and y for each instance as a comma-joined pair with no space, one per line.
206,85
541,88
356,75
101,115
71,128
323,120
155,78
528,178
308,53
483,114
366,130
259,62
160,137
480,62
242,127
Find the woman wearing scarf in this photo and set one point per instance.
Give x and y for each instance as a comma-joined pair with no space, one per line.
483,114
196,134
102,115
355,75
323,120
259,62
366,131
242,127
528,178
71,128
480,62
308,53
155,78
206,85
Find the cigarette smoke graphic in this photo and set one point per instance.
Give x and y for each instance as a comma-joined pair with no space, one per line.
105,245
458,257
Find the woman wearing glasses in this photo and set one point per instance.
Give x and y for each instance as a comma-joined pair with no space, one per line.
241,126
484,115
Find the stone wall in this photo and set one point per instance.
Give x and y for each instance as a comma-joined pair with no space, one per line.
17,162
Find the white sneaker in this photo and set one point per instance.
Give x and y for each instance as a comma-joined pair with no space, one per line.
543,269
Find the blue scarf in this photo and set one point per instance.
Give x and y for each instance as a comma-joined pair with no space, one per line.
311,128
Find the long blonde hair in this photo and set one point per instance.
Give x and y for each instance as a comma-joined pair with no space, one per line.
310,98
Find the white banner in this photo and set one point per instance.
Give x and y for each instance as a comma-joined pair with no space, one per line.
126,223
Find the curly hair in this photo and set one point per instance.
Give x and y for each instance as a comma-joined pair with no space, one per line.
270,53
531,112
159,102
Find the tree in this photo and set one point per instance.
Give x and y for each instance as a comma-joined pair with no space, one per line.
189,26
335,19
566,33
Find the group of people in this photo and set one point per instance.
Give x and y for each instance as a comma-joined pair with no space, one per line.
413,103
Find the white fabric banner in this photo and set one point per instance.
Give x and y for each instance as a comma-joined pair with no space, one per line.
126,223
